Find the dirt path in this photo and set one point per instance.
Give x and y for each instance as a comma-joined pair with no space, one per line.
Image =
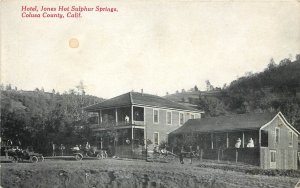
110,173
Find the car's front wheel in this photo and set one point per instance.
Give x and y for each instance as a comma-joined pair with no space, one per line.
34,159
78,157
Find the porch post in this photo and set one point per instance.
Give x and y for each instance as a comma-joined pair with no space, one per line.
212,141
116,116
100,117
243,140
132,139
131,114
98,122
132,132
227,141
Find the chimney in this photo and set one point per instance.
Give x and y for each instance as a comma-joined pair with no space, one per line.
142,91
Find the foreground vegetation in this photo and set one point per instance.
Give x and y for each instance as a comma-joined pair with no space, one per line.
131,173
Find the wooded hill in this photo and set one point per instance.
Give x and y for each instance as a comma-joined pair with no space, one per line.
277,88
38,118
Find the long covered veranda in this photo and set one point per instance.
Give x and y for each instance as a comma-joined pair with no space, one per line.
239,145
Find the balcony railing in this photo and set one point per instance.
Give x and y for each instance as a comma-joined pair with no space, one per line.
116,124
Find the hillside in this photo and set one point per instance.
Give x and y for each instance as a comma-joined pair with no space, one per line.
38,118
277,88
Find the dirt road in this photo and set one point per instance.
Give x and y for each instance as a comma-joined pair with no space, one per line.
111,173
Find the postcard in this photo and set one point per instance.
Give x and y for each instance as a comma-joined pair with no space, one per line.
174,93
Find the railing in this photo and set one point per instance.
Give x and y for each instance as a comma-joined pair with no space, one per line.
139,123
116,124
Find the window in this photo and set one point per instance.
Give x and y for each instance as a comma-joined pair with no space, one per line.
181,118
155,116
277,135
273,156
192,116
156,138
138,113
290,138
169,117
264,138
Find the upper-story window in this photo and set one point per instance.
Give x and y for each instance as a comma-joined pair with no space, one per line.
277,134
169,117
290,138
264,138
181,118
155,116
138,113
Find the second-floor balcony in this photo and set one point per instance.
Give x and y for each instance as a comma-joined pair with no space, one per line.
119,117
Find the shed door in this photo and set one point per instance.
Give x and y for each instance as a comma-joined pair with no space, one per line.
272,159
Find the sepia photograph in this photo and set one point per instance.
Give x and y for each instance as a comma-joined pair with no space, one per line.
150,94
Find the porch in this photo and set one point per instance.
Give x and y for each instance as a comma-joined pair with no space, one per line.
120,141
119,117
238,146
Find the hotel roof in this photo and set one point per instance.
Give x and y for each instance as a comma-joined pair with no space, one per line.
143,99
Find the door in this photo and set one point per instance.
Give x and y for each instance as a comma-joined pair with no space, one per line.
273,159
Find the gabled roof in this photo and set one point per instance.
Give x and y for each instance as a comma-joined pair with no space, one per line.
135,98
249,121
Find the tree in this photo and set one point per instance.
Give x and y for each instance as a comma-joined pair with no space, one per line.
196,88
209,87
297,57
8,87
271,64
81,88
285,61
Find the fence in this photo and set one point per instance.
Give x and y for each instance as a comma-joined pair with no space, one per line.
245,155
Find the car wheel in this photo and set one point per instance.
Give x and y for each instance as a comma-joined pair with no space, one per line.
99,156
14,159
78,157
34,159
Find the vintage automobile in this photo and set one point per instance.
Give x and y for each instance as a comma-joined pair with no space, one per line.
91,152
17,154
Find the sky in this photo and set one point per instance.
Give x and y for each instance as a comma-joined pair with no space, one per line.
158,46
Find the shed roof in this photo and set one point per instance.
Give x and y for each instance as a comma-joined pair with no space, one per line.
135,98
249,121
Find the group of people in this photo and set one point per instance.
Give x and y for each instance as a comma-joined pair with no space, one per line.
250,144
61,148
191,154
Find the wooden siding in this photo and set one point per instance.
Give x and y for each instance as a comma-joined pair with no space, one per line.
286,154
162,127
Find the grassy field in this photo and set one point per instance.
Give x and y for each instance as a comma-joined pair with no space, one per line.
113,173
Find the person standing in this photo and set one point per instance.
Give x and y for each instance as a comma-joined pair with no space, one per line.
53,150
181,156
191,154
198,152
62,148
